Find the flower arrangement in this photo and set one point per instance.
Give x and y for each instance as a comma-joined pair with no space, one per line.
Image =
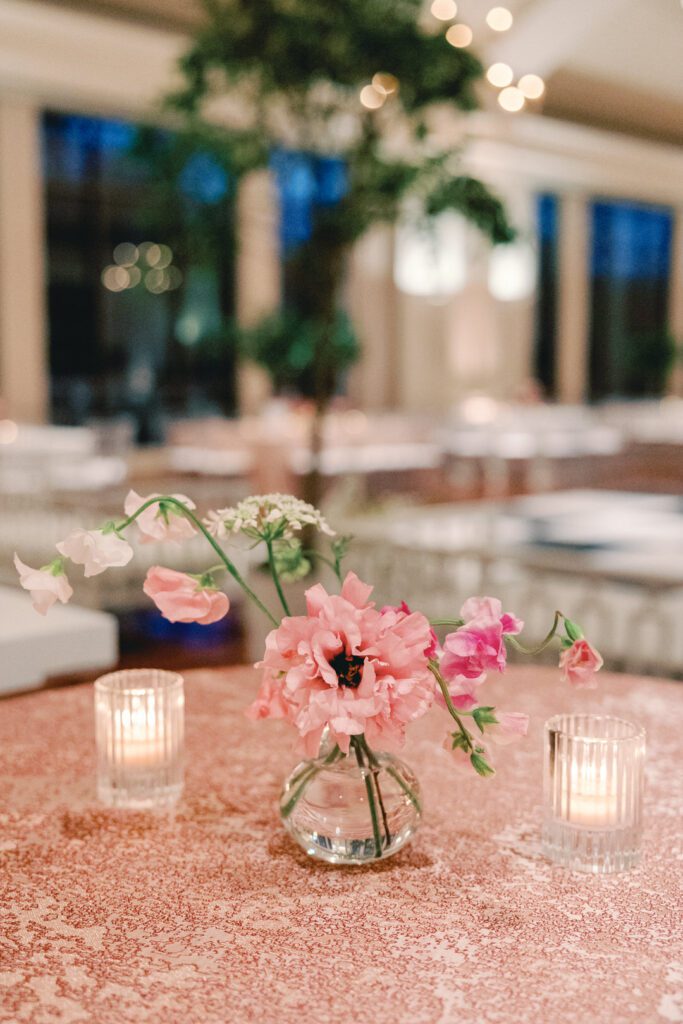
346,674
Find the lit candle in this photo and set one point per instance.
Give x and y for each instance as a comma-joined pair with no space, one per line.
593,792
591,799
139,719
138,731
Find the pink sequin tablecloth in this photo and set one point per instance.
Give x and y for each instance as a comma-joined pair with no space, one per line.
213,916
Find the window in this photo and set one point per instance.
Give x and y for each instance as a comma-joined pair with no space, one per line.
141,250
546,294
631,350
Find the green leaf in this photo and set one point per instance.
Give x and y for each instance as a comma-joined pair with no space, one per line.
574,632
481,765
460,741
484,716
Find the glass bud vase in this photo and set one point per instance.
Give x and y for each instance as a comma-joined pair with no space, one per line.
351,808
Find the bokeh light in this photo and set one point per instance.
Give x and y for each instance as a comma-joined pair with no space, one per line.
385,83
444,10
532,86
125,254
372,98
500,75
459,35
511,99
499,19
156,281
115,278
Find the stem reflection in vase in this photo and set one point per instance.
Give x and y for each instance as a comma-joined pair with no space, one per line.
351,808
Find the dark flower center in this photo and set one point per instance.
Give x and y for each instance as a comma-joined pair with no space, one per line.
349,669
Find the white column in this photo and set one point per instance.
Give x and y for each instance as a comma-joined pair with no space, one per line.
24,368
573,300
676,303
258,275
372,306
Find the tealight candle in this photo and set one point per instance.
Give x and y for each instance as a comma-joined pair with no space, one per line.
139,720
591,798
593,787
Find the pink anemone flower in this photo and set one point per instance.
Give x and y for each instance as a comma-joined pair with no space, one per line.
348,667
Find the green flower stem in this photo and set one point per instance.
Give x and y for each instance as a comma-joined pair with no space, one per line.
412,796
371,797
225,561
447,622
376,767
394,775
305,776
276,578
434,668
543,644
334,566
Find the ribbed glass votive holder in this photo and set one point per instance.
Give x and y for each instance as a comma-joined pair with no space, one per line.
139,727
593,792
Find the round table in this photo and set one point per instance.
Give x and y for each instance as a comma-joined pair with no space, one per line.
212,915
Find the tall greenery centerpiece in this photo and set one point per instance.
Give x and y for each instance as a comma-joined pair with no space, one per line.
359,81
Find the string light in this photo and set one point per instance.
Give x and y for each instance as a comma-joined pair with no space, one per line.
130,261
532,86
384,82
372,98
500,75
115,278
499,19
444,10
125,254
511,99
459,35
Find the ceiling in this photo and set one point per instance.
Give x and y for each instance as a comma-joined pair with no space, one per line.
617,64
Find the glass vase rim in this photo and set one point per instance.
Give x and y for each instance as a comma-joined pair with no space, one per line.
130,681
635,731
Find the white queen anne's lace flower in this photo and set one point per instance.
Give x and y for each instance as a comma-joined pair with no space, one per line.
267,517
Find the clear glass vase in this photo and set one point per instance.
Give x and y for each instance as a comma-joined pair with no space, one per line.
351,808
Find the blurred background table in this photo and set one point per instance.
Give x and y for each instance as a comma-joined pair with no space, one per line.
115,917
34,649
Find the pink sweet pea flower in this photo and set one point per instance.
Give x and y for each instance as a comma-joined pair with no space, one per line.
509,727
462,691
182,598
96,550
579,664
347,666
44,585
478,645
160,523
487,608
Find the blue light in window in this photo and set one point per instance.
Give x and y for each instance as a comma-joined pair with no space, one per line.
331,180
546,217
204,180
631,241
305,181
